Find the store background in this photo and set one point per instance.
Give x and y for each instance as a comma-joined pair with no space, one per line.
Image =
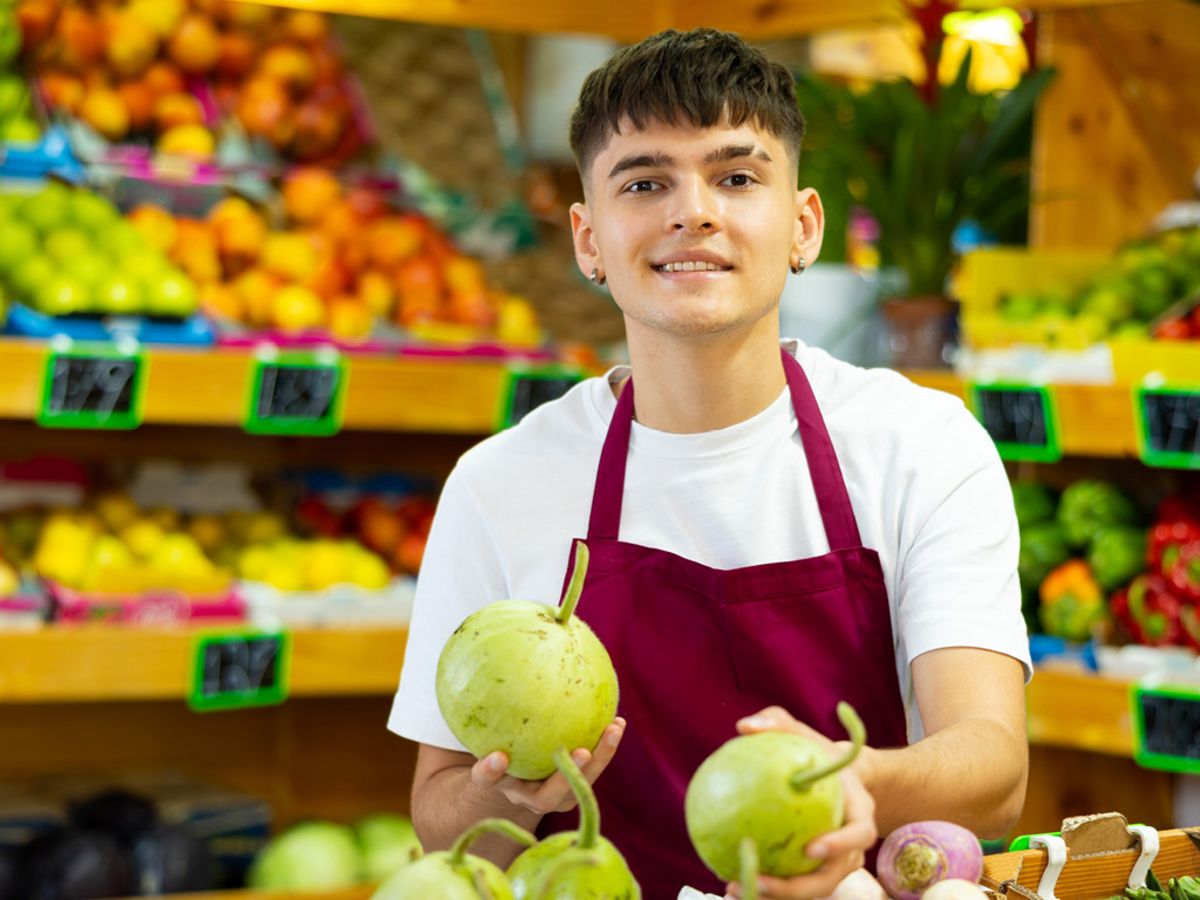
463,122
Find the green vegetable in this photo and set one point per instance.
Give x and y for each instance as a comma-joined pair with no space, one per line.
1116,554
1072,602
1034,503
1043,548
309,856
1087,506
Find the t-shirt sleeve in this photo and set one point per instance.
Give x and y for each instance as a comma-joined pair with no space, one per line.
460,573
957,579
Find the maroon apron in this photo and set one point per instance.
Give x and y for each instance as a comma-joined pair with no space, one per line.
696,649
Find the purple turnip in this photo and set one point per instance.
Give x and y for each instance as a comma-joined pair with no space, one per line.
527,678
915,857
574,865
777,788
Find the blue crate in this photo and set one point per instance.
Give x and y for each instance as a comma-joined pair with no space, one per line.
51,155
196,331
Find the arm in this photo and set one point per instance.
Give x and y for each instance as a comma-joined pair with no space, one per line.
972,766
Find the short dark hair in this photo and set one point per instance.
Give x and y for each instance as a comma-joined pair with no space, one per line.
700,77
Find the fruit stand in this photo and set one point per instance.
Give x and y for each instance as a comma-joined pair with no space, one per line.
197,200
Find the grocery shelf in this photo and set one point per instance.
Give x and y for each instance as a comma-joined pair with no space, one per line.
1081,712
210,387
1095,420
71,664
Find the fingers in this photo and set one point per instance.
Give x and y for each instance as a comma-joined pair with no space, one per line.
858,833
821,883
488,772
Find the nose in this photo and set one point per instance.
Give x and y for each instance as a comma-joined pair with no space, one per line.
694,208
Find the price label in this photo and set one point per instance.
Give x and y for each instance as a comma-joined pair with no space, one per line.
1166,728
298,394
1168,426
530,388
238,670
98,388
1021,418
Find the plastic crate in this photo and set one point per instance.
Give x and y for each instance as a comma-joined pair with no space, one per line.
195,331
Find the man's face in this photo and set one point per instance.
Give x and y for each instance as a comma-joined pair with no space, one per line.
694,228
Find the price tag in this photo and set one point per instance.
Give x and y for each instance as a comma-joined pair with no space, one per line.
1166,728
93,388
297,393
530,388
1168,420
242,669
1021,418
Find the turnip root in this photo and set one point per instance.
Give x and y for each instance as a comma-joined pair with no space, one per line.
915,857
954,889
859,885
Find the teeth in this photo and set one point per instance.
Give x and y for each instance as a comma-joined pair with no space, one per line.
691,266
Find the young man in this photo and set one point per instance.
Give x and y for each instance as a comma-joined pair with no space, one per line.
771,530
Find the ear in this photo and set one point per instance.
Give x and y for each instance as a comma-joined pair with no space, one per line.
809,227
587,253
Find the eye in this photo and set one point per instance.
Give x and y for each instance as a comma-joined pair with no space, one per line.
738,180
644,186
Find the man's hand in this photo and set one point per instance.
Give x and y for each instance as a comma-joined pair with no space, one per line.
842,850
553,794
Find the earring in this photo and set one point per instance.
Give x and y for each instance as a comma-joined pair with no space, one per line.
597,278
799,267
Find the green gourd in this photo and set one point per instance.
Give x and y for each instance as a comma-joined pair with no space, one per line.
455,874
574,865
776,788
527,678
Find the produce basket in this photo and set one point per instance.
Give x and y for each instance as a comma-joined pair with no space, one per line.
1093,858
146,608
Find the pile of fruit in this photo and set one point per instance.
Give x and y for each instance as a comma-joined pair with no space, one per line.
66,250
322,855
396,531
1129,299
161,71
16,115
343,263
1089,566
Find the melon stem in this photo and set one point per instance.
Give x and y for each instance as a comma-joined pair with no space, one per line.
589,809
550,886
575,588
802,781
748,873
510,830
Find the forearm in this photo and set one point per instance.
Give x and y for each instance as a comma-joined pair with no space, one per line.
448,803
972,772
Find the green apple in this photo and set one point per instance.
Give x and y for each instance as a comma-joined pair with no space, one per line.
65,244
92,214
119,295
63,295
90,267
18,242
121,239
29,275
14,96
10,36
21,130
145,265
47,209
172,294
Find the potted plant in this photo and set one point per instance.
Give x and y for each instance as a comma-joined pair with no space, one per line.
923,160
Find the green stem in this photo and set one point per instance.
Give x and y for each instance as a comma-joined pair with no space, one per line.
550,884
589,810
575,588
748,874
481,886
802,781
499,826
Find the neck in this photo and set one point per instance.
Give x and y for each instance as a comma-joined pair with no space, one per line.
687,386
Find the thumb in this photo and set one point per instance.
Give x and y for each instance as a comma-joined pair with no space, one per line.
489,770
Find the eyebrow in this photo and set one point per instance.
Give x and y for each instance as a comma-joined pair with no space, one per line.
663,161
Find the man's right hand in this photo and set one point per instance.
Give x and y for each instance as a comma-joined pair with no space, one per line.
553,794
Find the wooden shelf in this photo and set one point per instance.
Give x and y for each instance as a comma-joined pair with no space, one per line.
69,664
1080,712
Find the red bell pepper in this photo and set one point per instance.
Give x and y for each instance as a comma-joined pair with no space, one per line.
1184,572
1166,537
1149,611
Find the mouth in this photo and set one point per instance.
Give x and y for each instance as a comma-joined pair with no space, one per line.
690,266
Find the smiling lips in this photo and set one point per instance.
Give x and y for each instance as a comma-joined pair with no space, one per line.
691,265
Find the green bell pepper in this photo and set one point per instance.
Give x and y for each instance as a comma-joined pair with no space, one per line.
1043,547
1117,553
1087,506
1034,503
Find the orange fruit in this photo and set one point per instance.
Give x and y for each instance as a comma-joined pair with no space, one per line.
194,141
63,91
349,319
296,308
375,291
178,109
257,288
290,65
222,301
195,44
289,255
392,241
131,45
139,103
237,54
309,193
103,109
305,26
163,78
156,226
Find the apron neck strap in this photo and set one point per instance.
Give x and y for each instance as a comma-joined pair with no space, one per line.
841,530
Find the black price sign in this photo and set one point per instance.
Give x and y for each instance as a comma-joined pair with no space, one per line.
298,394
1021,419
1167,728
528,389
1169,426
233,671
93,389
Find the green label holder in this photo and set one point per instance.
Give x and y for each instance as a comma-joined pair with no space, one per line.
1149,757
519,396
247,666
1157,457
1048,451
329,423
123,420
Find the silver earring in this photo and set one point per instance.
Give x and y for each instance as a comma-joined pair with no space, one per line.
799,267
597,278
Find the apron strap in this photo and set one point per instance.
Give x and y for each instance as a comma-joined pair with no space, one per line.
841,530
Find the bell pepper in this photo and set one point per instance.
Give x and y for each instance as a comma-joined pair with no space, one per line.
1043,548
1184,573
1116,554
1034,503
1149,611
1087,506
1166,537
1072,602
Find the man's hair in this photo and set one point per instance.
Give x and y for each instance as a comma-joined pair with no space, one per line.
700,78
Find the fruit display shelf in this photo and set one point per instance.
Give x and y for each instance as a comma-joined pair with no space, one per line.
97,663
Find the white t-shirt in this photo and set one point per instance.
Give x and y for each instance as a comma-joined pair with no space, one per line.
928,489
